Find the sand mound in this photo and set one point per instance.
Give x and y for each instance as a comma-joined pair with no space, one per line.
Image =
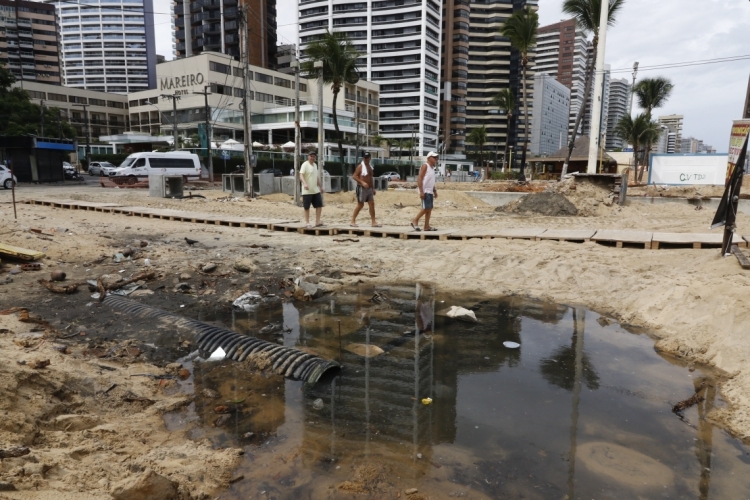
551,204
590,199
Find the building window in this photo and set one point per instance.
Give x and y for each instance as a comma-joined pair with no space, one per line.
220,68
35,95
260,77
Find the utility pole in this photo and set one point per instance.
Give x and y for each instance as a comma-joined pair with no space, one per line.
632,87
88,129
297,142
174,98
207,111
41,107
321,134
356,145
247,115
597,101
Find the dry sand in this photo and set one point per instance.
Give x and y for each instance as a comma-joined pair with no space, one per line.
693,302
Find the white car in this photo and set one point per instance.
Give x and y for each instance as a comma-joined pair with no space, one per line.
391,176
5,179
101,168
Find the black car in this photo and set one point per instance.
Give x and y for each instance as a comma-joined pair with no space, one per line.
275,171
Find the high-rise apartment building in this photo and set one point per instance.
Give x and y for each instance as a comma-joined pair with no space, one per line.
477,64
674,125
619,104
107,45
399,42
562,51
214,26
549,120
29,41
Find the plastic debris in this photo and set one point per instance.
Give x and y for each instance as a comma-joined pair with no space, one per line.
426,401
511,345
217,355
248,301
459,313
318,404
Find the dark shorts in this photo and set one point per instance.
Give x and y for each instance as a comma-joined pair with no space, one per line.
365,195
312,199
427,201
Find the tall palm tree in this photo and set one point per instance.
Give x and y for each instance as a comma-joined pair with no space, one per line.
478,137
587,14
339,67
378,140
652,93
506,101
521,29
638,131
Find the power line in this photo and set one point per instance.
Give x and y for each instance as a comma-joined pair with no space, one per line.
684,64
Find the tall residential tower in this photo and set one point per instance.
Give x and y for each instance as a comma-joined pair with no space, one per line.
619,103
399,42
29,41
108,45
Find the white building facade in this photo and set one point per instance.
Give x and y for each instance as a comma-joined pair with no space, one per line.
107,45
619,104
399,45
673,123
549,120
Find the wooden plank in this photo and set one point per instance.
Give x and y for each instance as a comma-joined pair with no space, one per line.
523,233
388,231
620,237
430,235
20,253
741,257
695,240
567,234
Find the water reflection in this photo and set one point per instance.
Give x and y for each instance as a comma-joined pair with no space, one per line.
533,421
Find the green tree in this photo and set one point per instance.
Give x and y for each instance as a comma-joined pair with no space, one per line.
378,140
587,14
521,29
641,132
478,137
339,59
651,93
22,117
506,101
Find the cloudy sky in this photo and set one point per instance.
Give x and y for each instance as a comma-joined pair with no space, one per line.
653,33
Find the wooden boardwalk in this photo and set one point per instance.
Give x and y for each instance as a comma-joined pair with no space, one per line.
618,238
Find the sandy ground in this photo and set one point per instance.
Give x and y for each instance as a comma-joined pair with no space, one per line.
85,441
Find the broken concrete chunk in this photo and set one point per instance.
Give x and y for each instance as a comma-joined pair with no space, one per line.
248,301
209,267
244,265
74,423
459,313
147,486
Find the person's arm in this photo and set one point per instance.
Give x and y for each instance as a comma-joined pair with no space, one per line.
302,172
357,176
420,179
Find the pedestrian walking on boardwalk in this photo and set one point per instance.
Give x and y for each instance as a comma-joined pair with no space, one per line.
312,187
427,192
365,192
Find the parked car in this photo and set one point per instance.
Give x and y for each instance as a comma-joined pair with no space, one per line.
5,179
391,176
171,163
275,171
101,168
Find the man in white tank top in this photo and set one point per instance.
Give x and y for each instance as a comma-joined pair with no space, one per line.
427,192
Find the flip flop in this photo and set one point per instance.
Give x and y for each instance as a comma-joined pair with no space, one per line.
353,225
432,229
416,228
309,226
319,225
377,225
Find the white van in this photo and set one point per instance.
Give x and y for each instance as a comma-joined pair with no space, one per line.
172,163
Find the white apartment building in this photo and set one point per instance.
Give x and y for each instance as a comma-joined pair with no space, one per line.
619,104
399,42
549,120
674,125
107,45
561,52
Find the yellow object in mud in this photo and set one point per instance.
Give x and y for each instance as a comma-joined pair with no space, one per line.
426,401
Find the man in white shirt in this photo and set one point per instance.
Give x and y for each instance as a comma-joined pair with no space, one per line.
312,187
427,192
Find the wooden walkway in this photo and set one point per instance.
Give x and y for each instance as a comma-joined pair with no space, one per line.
616,238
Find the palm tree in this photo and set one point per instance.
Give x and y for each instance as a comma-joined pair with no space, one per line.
478,137
506,101
638,131
587,14
378,140
652,93
339,67
521,29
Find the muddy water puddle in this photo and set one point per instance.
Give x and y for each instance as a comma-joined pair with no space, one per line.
580,409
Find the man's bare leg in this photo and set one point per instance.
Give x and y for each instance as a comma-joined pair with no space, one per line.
371,206
356,213
318,211
427,214
307,217
415,221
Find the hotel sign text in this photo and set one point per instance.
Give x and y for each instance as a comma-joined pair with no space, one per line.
183,81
